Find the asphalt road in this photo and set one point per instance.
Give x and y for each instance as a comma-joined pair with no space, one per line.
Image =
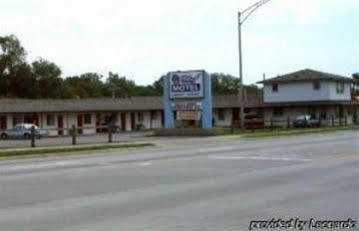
219,183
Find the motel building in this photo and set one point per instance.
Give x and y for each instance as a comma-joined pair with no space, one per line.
91,116
307,92
324,95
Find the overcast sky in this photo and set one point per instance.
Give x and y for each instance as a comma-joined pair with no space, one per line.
143,39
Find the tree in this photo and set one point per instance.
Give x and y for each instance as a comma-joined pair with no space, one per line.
223,84
12,57
146,91
42,79
48,77
85,85
120,86
158,85
355,76
22,82
12,54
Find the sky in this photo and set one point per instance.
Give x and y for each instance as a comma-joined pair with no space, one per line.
144,39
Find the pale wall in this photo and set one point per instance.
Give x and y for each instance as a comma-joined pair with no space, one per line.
303,91
335,96
128,121
9,121
223,123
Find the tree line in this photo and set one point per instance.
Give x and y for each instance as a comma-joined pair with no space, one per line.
43,79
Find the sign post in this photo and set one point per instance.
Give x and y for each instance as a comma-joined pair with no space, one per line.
188,96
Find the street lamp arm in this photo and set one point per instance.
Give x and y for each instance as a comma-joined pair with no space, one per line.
252,6
252,9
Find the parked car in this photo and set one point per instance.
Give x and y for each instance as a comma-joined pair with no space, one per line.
306,121
23,131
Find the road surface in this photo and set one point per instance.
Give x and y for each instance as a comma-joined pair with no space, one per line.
218,183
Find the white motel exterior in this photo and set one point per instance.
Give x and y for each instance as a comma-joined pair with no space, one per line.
324,95
92,115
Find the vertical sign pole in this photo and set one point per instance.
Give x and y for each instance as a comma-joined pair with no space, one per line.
207,110
169,115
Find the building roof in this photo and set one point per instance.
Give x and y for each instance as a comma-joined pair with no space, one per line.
307,75
104,104
310,103
78,105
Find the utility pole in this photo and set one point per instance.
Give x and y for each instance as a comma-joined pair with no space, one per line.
240,87
246,13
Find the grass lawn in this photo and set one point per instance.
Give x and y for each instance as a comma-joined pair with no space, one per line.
293,131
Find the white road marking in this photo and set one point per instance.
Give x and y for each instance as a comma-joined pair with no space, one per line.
215,149
145,164
257,158
38,166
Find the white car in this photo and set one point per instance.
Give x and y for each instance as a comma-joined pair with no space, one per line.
23,131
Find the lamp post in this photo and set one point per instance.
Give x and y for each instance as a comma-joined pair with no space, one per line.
242,17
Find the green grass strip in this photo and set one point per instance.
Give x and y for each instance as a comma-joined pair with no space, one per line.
79,148
292,132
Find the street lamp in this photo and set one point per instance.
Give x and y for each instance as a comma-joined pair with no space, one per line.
246,13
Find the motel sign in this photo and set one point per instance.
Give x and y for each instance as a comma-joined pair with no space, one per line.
188,97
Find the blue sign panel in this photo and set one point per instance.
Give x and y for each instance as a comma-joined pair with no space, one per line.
186,94
186,84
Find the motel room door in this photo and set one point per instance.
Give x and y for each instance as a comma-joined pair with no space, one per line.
3,123
80,123
133,121
60,125
32,119
35,119
123,121
235,116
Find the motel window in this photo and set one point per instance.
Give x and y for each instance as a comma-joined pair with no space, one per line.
88,118
50,120
316,85
340,87
17,119
278,111
275,87
140,117
221,114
